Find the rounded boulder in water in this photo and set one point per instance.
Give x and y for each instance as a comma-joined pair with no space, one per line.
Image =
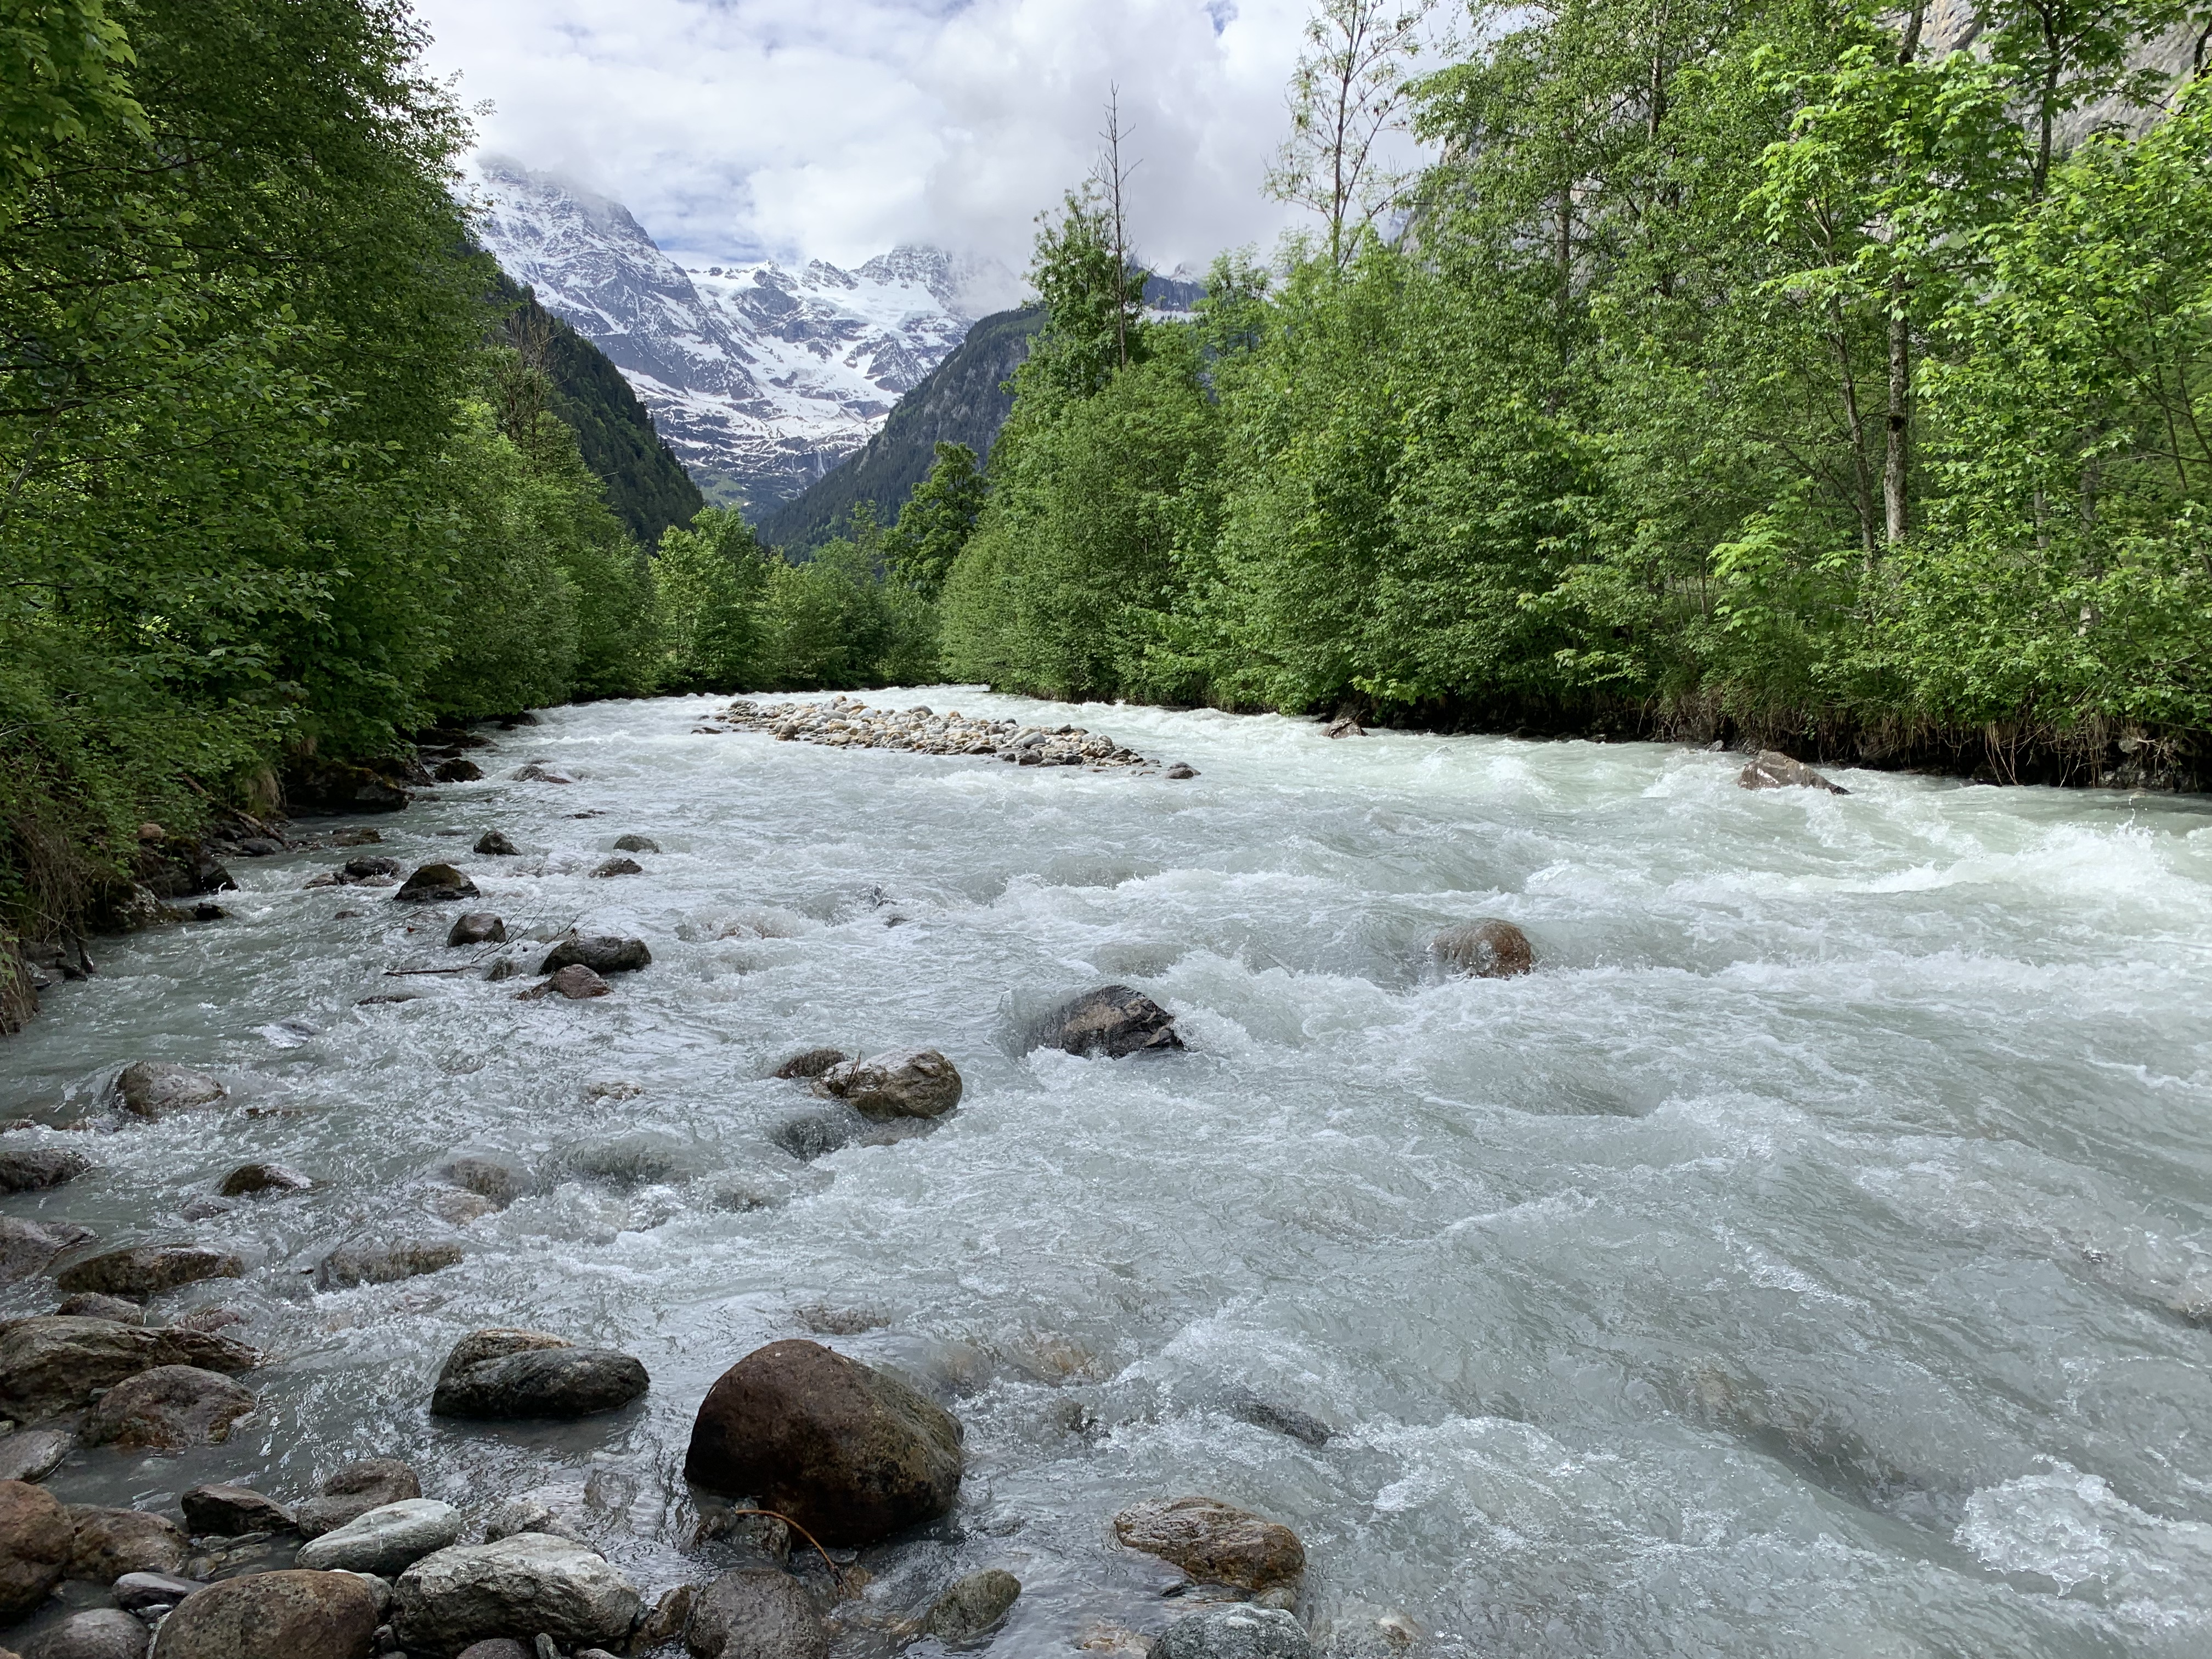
851,1453
754,1613
434,883
155,1088
532,1581
293,1615
477,927
1486,949
521,1373
1114,1020
1214,1542
385,1540
602,953
355,1490
37,1534
919,1082
167,1408
102,1634
493,845
972,1605
1234,1632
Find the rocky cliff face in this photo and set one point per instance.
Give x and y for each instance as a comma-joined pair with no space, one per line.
761,380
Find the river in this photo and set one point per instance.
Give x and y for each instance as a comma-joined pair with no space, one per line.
1805,1259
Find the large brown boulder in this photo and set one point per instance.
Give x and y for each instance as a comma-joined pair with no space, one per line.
1486,949
144,1271
274,1615
28,1248
109,1543
60,1364
1214,1542
36,1535
849,1452
919,1083
167,1409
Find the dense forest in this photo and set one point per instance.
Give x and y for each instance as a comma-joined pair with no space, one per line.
1790,371
1765,368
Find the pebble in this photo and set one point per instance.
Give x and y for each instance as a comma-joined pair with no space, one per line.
848,723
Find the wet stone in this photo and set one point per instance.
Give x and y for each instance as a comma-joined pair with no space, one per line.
576,982
636,844
135,1591
619,867
477,927
1114,1020
602,953
532,1374
35,1169
1485,949
33,1454
251,1178
1234,1632
487,1177
355,1491
108,1543
493,845
754,1613
434,883
167,1408
229,1510
29,1248
1214,1542
101,1633
373,1261
919,1082
37,1535
145,1271
1772,770
812,1062
972,1605
385,1540
290,1614
155,1088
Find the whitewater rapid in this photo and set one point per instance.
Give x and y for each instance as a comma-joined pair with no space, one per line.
1807,1259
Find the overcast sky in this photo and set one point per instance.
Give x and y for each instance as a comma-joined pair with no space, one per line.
835,129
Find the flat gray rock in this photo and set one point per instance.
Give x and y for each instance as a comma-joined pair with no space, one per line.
385,1541
1234,1632
532,1581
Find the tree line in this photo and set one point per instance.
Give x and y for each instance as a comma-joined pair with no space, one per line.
1756,367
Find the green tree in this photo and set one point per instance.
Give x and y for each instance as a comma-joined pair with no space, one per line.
712,581
936,520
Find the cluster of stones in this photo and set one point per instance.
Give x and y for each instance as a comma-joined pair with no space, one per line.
848,723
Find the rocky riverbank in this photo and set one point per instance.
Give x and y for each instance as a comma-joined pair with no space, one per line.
848,723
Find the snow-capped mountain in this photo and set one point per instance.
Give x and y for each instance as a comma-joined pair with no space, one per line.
760,379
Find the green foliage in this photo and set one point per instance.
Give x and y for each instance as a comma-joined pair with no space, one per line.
1094,302
712,581
936,521
1742,359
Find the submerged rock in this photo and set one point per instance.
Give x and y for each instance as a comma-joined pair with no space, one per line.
60,1364
1234,1632
167,1409
293,1615
108,1543
576,981
972,1605
374,1262
355,1491
477,927
532,1581
35,1169
812,1062
91,1304
155,1088
456,770
754,1613
1770,768
228,1510
144,1271
602,953
434,883
493,845
251,1178
385,1540
487,1178
851,1453
619,867
540,772
28,1247
37,1534
513,1373
1283,1420
636,844
919,1082
1486,949
1214,1542
1113,1019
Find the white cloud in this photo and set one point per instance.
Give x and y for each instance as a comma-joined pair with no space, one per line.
737,129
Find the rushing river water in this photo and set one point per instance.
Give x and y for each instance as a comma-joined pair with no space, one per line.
1799,1262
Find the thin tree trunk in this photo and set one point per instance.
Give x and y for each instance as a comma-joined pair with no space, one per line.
1863,498
1895,503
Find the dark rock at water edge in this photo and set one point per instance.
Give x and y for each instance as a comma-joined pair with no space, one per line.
37,1534
172,867
493,845
457,771
1114,1019
917,1083
57,1364
636,844
972,1605
251,1178
228,1510
487,1178
108,1543
1234,1632
1214,1542
33,1454
1770,768
91,1304
619,867
383,1262
603,953
35,1169
477,927
102,1634
155,1088
343,789
144,1271
434,883
352,1491
517,1374
293,1615
1283,1420
29,1248
540,772
167,1409
576,981
851,1453
135,1591
1179,771
812,1062
754,1613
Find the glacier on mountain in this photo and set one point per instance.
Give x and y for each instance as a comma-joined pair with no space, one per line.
760,379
